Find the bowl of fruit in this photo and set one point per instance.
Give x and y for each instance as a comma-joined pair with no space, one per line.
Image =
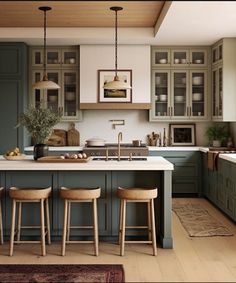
14,154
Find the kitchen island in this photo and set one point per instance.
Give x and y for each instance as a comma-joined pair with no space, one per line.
153,172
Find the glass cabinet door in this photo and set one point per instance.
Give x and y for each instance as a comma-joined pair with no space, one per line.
161,57
37,95
179,91
52,95
214,92
198,100
180,57
37,58
161,94
70,98
53,57
198,57
70,57
220,91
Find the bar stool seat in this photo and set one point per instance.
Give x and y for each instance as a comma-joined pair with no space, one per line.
137,195
76,195
1,226
30,195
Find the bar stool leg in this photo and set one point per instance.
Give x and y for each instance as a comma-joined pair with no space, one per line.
48,222
43,247
95,226
63,244
1,229
13,215
68,222
120,221
153,228
19,221
149,222
122,246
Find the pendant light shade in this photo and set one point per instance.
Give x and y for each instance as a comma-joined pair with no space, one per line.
116,84
45,83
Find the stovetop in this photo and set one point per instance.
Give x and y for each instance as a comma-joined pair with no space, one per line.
115,145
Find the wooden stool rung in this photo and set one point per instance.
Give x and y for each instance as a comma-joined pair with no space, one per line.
136,227
138,242
80,242
81,227
26,242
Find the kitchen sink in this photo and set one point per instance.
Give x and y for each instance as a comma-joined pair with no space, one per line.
121,159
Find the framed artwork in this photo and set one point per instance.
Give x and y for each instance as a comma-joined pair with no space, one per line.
182,134
106,95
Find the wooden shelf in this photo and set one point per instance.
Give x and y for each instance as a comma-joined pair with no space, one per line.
127,106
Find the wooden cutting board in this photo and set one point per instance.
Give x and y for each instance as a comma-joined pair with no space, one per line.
51,159
73,136
57,138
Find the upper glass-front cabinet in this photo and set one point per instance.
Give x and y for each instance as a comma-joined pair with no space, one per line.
62,68
217,92
179,57
217,53
55,57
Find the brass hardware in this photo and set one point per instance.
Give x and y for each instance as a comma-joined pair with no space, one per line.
119,140
107,154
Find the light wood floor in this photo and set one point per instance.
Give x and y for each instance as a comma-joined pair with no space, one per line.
207,259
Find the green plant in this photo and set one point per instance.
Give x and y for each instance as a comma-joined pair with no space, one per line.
39,122
217,132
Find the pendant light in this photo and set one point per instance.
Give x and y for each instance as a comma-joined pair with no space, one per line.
116,83
45,83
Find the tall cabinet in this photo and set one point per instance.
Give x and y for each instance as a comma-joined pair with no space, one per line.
223,80
180,89
63,69
13,93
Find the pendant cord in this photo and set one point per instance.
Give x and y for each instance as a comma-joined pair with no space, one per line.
44,46
116,44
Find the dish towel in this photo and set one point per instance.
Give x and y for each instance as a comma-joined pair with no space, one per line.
212,160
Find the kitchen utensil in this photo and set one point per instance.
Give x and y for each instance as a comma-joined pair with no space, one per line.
95,142
16,157
58,159
73,136
197,96
163,97
70,96
197,80
179,98
137,142
162,61
62,134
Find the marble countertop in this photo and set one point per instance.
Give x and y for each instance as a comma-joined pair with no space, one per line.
228,156
153,163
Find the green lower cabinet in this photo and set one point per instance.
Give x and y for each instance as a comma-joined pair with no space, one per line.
221,186
186,174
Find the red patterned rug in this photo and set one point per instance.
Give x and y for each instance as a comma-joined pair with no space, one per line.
62,273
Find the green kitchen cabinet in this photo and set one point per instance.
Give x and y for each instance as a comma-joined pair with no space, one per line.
13,93
220,186
187,174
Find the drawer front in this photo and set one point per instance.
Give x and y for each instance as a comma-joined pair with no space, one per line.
184,186
178,156
185,170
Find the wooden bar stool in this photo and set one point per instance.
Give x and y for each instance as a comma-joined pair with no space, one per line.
1,227
20,196
79,195
137,195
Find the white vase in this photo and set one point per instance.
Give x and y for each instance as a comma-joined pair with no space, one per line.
216,143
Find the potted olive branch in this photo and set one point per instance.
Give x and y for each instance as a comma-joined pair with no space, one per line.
39,123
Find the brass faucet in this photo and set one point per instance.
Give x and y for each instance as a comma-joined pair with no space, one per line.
119,140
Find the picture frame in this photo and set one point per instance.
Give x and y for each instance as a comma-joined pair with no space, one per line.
118,96
182,134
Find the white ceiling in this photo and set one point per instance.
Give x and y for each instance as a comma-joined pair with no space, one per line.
186,23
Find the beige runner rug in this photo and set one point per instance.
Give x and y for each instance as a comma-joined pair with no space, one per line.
198,222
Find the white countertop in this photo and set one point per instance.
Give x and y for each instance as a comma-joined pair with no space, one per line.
228,156
178,148
58,148
153,163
